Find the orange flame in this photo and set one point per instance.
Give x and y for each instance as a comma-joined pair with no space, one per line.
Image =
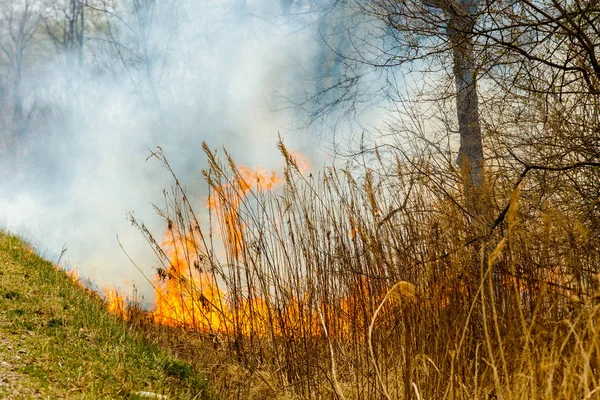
227,199
73,274
115,302
189,295
301,160
186,295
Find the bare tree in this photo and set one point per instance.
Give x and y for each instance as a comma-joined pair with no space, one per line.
65,26
461,21
530,54
417,32
20,21
132,31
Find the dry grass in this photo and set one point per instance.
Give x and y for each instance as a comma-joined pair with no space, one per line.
374,284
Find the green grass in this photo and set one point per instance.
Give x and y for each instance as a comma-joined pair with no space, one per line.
58,341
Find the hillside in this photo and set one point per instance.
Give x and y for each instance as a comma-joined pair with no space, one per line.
58,341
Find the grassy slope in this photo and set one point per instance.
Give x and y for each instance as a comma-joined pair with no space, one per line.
58,341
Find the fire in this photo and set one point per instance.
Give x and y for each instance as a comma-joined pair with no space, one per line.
555,279
227,198
190,294
184,295
263,179
115,303
301,160
187,295
73,274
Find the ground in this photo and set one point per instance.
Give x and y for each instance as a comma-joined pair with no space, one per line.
58,341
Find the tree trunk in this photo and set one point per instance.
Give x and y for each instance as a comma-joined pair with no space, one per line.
460,16
470,155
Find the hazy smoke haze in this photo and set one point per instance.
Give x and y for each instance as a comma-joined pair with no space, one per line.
189,72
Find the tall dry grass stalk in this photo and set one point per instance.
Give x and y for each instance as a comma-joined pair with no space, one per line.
372,284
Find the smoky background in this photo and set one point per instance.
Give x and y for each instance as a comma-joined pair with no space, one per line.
88,89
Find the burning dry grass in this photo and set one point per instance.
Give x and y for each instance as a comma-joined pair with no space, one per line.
375,285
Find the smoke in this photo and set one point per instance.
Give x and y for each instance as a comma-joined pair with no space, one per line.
172,74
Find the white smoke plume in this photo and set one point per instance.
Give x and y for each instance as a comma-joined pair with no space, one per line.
184,73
